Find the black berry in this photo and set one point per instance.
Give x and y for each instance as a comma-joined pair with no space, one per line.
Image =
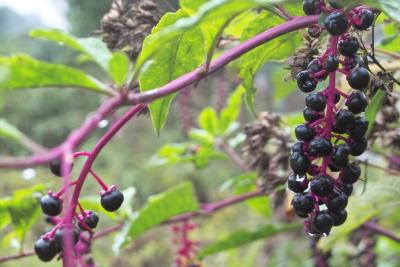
55,167
340,156
302,203
50,205
337,202
312,7
339,218
112,200
366,18
321,185
298,147
297,183
350,174
311,115
359,78
45,249
304,132
347,189
323,222
358,146
316,101
314,67
91,219
349,46
359,129
357,102
336,23
299,163
61,232
335,4
305,82
320,147
344,119
331,64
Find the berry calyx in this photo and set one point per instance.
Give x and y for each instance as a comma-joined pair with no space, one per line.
297,183
357,102
91,219
45,249
112,199
305,82
349,46
316,101
359,78
51,205
321,185
304,133
336,23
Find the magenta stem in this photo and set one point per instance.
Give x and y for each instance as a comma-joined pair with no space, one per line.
81,154
99,180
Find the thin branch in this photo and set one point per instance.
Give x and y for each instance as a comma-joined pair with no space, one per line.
17,256
233,156
381,231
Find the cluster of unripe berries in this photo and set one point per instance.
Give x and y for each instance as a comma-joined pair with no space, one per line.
323,175
50,243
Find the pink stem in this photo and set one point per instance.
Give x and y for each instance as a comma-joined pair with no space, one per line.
99,180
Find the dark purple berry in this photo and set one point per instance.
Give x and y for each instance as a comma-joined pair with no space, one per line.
311,115
297,183
359,129
61,232
336,23
314,67
366,18
339,218
304,132
358,146
357,102
112,200
323,222
337,202
351,173
347,189
321,185
349,46
337,98
320,147
298,147
50,205
305,82
45,249
312,7
335,4
344,119
55,167
340,156
91,219
302,203
331,64
301,214
316,101
333,168
299,163
359,78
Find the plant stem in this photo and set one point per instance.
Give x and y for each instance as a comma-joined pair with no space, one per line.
382,231
17,256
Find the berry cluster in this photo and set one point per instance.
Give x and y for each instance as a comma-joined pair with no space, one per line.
323,174
51,243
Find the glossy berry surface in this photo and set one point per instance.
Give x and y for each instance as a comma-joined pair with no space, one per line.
298,147
366,20
344,119
359,78
340,157
112,200
347,189
311,115
337,202
299,163
297,183
349,46
336,23
312,7
304,133
316,101
50,205
305,82
335,4
323,222
321,185
55,167
339,218
302,203
359,129
91,219
358,146
351,173
45,249
61,232
319,147
331,64
357,102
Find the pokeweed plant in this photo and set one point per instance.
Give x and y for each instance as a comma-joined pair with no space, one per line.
181,51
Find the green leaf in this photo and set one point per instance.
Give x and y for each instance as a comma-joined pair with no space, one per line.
282,88
161,207
119,68
4,215
93,47
277,49
380,197
23,72
231,111
392,8
24,209
374,107
201,136
244,237
208,120
239,181
177,57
